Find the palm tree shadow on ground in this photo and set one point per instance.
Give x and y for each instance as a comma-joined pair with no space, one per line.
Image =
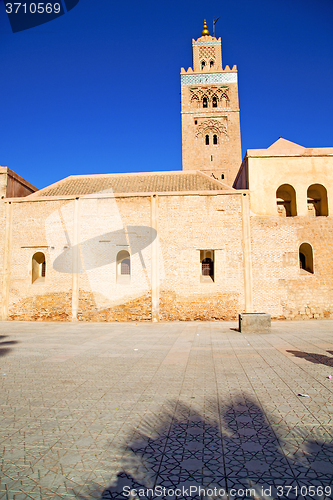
239,451
5,345
314,357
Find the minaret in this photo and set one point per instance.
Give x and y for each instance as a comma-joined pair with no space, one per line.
210,112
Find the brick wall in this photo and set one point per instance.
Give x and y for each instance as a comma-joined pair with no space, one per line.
280,287
186,225
2,239
192,224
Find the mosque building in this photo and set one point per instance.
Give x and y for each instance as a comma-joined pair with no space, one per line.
219,237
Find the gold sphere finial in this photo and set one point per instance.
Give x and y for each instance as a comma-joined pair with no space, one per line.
205,29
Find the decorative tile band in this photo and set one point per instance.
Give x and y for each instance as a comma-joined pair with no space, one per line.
209,78
201,44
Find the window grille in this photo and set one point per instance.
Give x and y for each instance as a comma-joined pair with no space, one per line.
125,267
207,267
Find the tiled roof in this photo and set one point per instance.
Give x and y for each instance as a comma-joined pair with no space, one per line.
133,183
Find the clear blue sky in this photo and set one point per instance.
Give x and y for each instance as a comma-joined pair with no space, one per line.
98,89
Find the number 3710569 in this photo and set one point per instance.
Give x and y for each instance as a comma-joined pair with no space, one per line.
32,8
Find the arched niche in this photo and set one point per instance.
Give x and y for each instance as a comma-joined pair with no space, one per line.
38,268
306,258
317,200
286,201
195,101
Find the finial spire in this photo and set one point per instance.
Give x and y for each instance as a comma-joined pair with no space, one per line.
205,29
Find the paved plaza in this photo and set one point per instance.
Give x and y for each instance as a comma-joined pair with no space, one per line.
93,411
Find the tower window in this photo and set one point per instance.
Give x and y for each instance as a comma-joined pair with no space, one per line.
214,139
211,157
204,102
211,64
222,176
214,102
203,64
195,122
207,140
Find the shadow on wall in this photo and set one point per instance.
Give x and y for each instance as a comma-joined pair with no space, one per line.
314,357
223,455
6,350
138,238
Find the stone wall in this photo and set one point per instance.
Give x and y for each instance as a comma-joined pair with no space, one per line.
2,240
280,287
193,224
187,226
29,236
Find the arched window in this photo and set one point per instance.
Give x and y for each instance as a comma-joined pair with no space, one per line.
207,140
204,102
203,64
286,201
214,102
306,258
211,64
207,265
214,139
317,200
38,268
123,267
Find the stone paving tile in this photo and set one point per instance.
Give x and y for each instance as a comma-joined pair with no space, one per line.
198,404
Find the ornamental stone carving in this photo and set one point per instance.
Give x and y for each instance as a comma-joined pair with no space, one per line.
215,126
198,93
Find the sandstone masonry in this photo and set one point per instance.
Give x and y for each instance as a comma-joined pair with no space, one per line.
214,240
